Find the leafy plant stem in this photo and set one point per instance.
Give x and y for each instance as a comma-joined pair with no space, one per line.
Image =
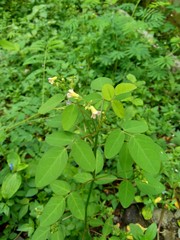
44,72
135,7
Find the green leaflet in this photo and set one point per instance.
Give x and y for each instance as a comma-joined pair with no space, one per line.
51,103
82,177
98,83
50,166
76,205
124,88
134,126
113,143
60,138
69,117
53,211
145,153
117,108
10,185
126,193
83,155
41,233
124,162
60,187
108,92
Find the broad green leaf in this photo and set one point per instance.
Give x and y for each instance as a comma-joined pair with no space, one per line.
107,227
150,185
93,98
151,232
131,78
53,211
83,155
126,193
51,103
113,143
105,178
136,231
10,185
76,205
60,187
54,122
133,126
69,116
99,161
108,92
13,160
60,138
145,153
82,177
41,233
124,163
9,45
124,88
118,108
98,83
50,166
58,234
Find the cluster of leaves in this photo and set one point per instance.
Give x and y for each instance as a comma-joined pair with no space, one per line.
80,41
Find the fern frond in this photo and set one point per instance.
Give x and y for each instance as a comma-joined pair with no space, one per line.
38,58
138,50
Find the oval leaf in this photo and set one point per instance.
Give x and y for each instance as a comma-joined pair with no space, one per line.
108,92
133,126
50,166
105,178
51,103
118,108
76,205
99,161
113,143
10,185
82,177
126,193
98,83
69,116
60,138
60,187
41,233
124,88
53,211
145,153
83,155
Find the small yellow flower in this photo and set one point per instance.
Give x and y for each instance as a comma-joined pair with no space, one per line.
94,112
72,94
52,80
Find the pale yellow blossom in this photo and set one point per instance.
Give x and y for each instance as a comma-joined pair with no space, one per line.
94,112
72,94
52,80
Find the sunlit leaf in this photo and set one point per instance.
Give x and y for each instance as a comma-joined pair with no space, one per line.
51,103
118,108
76,205
10,185
126,193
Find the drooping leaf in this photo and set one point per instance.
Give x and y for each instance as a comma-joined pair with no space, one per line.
108,92
134,126
69,116
51,103
10,185
124,88
82,177
51,166
105,178
83,155
126,193
60,187
117,108
60,138
98,83
145,153
76,205
41,233
113,143
53,211
124,163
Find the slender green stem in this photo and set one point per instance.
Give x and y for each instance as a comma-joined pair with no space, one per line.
44,72
21,122
138,1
